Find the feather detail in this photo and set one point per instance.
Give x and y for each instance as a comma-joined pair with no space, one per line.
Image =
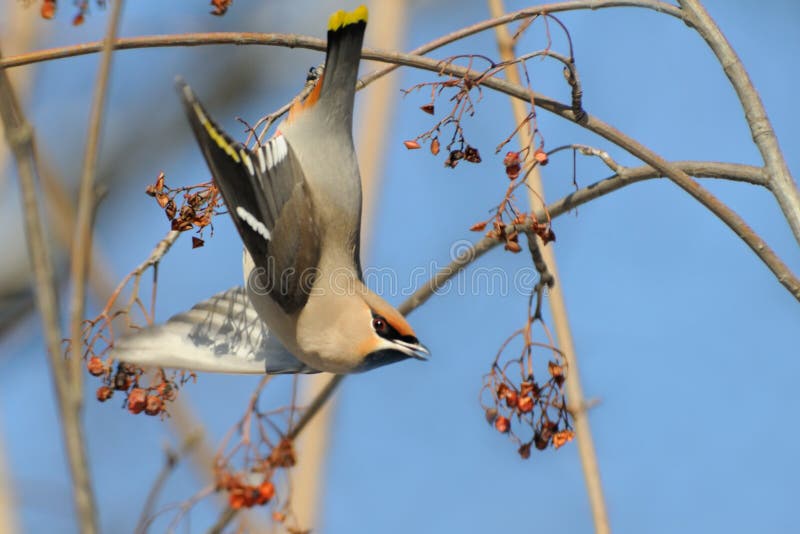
223,334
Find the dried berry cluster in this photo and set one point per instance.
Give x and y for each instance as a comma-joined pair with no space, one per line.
508,220
248,468
48,10
253,486
457,148
540,408
510,233
199,205
513,162
241,495
150,399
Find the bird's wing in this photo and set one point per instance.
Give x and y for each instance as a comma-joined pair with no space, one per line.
267,196
223,334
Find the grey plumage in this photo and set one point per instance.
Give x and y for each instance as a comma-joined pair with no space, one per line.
221,334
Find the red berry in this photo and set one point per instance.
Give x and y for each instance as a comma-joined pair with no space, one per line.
153,405
95,366
502,424
266,491
525,404
511,399
137,400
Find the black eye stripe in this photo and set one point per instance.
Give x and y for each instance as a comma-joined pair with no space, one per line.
387,331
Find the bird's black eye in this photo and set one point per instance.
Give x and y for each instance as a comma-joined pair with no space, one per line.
380,325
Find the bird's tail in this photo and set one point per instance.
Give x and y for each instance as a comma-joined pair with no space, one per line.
335,91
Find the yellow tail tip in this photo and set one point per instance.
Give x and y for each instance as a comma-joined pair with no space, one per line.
343,18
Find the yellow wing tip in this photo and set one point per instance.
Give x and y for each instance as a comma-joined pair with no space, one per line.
342,18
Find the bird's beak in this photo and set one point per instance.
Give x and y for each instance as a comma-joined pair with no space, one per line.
415,350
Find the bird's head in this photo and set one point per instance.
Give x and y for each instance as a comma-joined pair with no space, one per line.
389,336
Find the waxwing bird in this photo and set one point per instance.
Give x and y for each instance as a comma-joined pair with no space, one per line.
296,203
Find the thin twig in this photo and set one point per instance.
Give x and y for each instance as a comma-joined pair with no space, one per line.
312,409
82,245
171,459
81,252
545,262
222,521
21,140
781,182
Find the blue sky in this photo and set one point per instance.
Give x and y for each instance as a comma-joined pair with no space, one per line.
683,335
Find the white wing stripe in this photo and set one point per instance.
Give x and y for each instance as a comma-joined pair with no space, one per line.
256,225
261,162
272,153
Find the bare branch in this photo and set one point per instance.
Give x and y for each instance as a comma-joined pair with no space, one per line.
81,252
82,245
591,123
292,41
780,178
21,139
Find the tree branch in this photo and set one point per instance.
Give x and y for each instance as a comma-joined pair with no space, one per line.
593,124
780,178
292,40
82,245
728,216
21,140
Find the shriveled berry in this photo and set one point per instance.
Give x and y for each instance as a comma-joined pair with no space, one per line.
137,400
512,158
427,108
540,441
491,415
104,393
236,499
511,399
502,424
266,491
502,391
435,146
525,404
525,451
527,387
478,227
472,155
411,145
540,156
170,209
95,366
48,10
153,405
563,437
